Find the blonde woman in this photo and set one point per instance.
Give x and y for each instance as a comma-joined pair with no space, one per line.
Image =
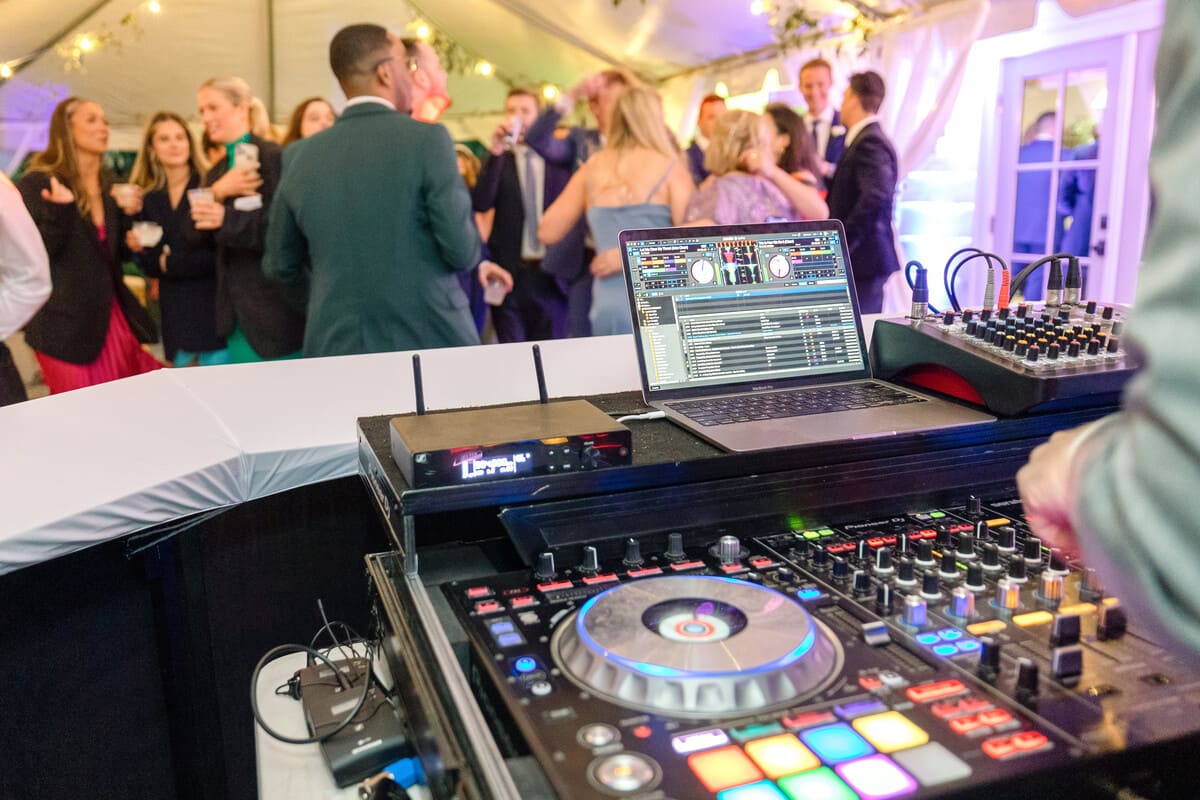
91,329
746,184
168,165
252,314
637,181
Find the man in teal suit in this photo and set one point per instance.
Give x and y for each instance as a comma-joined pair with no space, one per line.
371,219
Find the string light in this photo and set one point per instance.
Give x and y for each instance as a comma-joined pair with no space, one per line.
549,91
757,8
485,69
154,7
85,44
423,31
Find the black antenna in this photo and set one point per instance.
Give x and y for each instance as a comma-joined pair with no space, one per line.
541,375
418,388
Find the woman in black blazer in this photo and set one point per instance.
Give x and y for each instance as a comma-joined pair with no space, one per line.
168,165
252,313
90,330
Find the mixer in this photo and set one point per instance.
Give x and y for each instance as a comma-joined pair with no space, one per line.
936,652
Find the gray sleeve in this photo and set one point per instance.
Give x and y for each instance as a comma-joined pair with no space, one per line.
1141,477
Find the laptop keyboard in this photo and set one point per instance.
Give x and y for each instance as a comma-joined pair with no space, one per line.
792,403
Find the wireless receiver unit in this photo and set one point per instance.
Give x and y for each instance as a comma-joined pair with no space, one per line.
501,442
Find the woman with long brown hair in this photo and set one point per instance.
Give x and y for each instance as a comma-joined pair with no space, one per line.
313,115
168,166
91,329
638,180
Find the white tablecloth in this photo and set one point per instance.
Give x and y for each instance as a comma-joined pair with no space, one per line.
87,466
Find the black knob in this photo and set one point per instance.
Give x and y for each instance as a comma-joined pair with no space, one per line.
1111,622
949,567
967,314
785,575
985,314
1093,347
1005,311
675,552
966,546
590,564
982,531
990,557
925,552
633,553
1006,538
975,577
841,569
820,557
862,583
1052,351
948,318
799,550
905,570
972,325
1090,308
1016,569
1022,309
902,544
945,538
1010,343
930,588
1021,348
1064,629
883,599
1114,344
1027,680
545,567
1058,561
1033,550
989,659
883,560
1073,349
1107,313
1033,353
1102,338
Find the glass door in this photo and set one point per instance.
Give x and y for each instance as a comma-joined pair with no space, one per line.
1053,188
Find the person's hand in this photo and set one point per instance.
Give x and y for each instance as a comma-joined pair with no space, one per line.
57,193
500,138
587,88
491,272
133,242
208,216
162,258
130,200
607,262
1047,490
238,182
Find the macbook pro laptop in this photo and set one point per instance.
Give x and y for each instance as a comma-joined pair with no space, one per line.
750,337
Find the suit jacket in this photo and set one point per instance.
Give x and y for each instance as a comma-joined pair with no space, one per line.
861,195
246,299
85,274
569,152
836,144
370,224
499,188
188,289
695,158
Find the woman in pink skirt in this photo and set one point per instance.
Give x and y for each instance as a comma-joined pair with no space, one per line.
92,328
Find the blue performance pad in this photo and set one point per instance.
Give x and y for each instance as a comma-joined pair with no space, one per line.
834,744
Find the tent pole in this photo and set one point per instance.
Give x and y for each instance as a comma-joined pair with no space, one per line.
271,59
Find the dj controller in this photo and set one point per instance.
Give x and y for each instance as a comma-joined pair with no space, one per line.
940,652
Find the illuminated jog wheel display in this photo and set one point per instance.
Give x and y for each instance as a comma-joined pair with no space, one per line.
779,266
702,271
696,646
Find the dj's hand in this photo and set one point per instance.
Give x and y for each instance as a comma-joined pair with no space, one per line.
1049,490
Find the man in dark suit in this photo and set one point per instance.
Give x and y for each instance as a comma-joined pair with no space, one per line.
711,107
519,184
822,120
600,91
863,189
371,219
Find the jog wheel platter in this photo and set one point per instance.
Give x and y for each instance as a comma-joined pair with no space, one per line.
696,646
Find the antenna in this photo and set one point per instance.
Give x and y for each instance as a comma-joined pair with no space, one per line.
418,387
541,375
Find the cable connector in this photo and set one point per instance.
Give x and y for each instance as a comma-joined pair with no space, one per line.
920,292
1054,284
1074,282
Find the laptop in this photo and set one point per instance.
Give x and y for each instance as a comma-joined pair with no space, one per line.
750,337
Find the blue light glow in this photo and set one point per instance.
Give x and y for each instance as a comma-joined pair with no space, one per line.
836,743
660,671
808,594
525,664
945,650
968,646
927,638
950,634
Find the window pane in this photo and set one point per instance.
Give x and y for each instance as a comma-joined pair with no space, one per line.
1073,223
1038,119
1032,211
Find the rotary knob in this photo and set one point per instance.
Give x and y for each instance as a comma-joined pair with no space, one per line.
1051,592
915,611
633,553
1016,570
974,580
962,603
966,546
949,568
545,567
883,599
905,572
883,561
902,544
1033,551
729,550
1027,681
989,659
862,583
675,552
1006,540
590,564
589,457
1008,594
841,570
930,588
925,553
990,557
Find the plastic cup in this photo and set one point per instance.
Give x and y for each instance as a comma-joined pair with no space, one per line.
494,293
148,233
245,154
203,195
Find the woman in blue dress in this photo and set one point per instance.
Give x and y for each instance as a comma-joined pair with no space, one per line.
638,180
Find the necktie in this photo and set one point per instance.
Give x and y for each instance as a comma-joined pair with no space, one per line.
816,136
529,199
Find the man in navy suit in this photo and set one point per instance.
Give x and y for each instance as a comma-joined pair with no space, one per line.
822,119
600,91
863,189
519,184
711,107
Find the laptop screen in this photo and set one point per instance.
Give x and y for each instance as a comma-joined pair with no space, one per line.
765,305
